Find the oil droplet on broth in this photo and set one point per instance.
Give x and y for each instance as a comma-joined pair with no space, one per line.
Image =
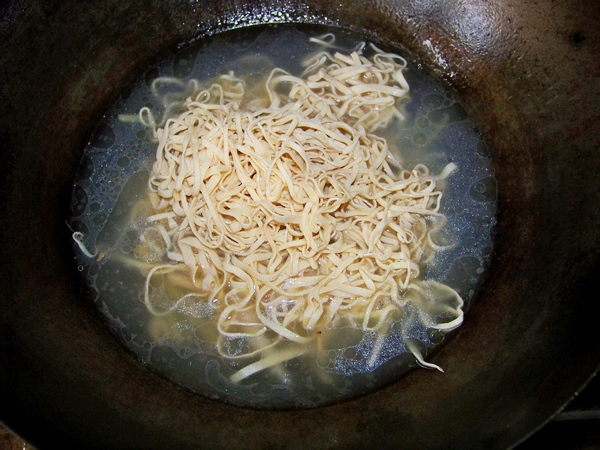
112,180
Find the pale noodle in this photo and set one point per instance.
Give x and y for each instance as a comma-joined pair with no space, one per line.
294,216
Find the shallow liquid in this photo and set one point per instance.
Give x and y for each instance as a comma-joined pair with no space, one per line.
112,179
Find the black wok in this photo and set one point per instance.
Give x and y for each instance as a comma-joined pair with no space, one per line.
529,74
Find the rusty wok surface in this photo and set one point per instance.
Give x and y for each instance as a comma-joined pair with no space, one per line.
529,74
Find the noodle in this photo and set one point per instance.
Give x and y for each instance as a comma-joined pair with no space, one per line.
294,216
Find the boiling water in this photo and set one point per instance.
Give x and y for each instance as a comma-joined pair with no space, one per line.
112,181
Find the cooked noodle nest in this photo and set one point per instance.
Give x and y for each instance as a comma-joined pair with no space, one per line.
292,217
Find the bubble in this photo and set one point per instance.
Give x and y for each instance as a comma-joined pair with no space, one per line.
322,360
487,252
104,137
183,63
422,122
206,347
451,114
80,200
242,40
86,168
94,269
432,101
420,139
99,219
484,190
483,149
125,333
123,161
435,336
462,271
350,353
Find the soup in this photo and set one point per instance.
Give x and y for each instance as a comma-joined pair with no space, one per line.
236,334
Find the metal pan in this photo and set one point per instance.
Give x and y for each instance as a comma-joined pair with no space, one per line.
529,74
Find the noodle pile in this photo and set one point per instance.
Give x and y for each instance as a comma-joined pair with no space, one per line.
289,215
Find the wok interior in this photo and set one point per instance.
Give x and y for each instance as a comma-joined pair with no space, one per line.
525,347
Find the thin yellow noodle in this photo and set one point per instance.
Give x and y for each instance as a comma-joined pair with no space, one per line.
295,213
410,345
270,361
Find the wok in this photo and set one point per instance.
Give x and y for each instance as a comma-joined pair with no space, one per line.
529,74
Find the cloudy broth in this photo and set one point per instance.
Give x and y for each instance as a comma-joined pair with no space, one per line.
342,361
